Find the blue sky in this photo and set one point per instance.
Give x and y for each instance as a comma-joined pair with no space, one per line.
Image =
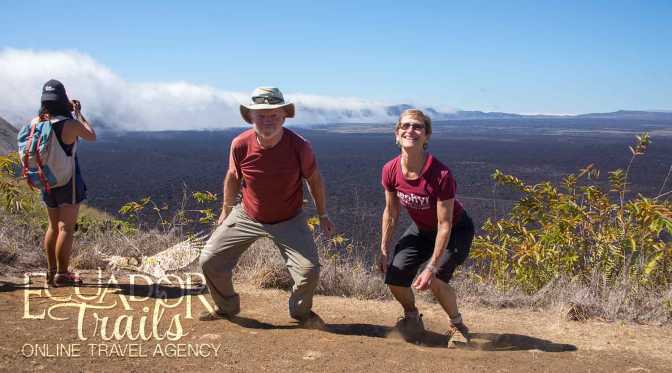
511,56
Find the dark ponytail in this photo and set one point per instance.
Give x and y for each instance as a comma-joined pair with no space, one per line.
50,109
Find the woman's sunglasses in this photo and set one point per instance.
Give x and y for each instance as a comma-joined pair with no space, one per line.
414,126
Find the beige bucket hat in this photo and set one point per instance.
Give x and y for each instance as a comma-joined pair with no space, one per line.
266,98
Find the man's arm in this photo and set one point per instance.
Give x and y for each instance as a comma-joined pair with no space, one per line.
318,192
231,188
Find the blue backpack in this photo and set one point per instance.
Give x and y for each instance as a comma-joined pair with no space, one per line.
44,163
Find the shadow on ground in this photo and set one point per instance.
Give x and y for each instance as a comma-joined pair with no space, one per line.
512,342
479,341
249,323
429,339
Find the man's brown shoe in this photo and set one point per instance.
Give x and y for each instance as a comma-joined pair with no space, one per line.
215,315
312,321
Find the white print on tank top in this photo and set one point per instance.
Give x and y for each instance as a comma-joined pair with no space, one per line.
413,201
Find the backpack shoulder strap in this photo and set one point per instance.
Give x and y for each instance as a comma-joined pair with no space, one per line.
26,153
58,118
40,166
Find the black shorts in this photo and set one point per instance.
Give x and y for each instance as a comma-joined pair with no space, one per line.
63,195
416,247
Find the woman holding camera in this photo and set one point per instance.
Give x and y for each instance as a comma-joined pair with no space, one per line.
440,234
62,203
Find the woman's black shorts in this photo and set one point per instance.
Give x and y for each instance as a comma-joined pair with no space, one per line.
416,247
63,195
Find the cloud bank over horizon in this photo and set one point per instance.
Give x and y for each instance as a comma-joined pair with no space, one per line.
176,105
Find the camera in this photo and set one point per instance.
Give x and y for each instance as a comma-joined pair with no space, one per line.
76,105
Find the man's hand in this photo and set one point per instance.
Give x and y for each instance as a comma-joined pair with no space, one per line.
327,226
423,281
225,212
383,262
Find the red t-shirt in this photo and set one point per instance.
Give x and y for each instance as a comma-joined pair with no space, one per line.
272,178
436,183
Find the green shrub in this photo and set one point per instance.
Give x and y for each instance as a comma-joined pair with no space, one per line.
199,218
575,230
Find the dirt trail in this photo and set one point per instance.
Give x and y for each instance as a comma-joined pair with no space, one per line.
264,338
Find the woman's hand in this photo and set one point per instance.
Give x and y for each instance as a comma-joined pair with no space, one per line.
423,281
383,262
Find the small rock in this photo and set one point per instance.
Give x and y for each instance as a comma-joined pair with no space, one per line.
312,355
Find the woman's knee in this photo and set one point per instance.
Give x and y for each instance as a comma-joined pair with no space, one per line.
462,246
461,255
52,228
65,228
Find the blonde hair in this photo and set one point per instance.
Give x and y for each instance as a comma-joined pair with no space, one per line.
418,114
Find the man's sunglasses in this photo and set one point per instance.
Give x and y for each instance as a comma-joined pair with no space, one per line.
267,100
414,126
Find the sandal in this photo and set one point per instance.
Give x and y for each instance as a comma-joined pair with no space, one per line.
66,279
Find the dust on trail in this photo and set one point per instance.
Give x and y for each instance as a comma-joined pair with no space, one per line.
158,330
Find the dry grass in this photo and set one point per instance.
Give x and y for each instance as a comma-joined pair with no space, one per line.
21,244
341,275
576,299
346,272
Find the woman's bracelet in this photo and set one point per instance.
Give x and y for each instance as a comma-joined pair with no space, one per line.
432,269
324,216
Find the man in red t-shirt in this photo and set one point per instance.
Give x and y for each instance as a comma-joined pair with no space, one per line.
269,164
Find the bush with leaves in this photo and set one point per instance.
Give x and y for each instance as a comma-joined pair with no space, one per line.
182,217
23,203
15,195
576,230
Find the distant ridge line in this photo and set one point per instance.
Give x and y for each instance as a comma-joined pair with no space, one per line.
8,135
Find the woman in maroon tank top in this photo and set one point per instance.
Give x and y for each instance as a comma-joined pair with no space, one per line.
61,208
440,234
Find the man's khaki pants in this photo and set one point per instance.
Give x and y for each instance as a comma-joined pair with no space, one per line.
236,234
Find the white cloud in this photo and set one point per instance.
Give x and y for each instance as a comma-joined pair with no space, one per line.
145,105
